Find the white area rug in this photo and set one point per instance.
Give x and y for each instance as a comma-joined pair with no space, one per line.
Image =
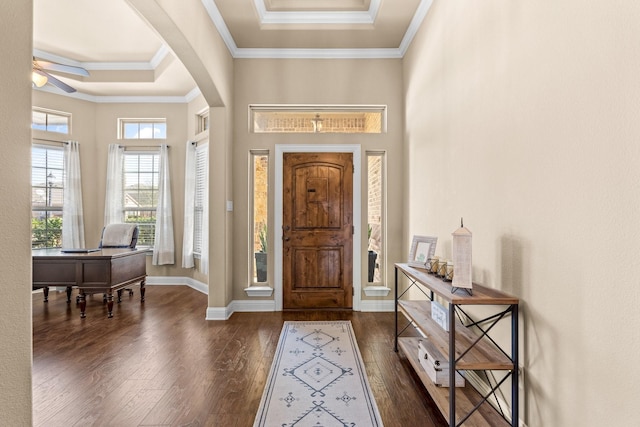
317,379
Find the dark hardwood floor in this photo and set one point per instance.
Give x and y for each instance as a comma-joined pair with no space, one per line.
163,364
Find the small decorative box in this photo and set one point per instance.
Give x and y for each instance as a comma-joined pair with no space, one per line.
436,367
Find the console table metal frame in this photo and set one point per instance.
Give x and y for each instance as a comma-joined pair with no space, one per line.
477,345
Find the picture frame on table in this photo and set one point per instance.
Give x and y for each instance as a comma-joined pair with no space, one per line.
422,248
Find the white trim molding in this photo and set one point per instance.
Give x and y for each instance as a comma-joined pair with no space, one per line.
377,305
178,281
252,306
296,18
343,17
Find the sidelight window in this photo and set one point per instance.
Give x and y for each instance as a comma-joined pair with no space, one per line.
259,213
376,250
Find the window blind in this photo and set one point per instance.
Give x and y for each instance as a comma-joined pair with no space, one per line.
202,154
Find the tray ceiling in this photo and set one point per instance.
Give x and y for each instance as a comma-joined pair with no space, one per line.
97,35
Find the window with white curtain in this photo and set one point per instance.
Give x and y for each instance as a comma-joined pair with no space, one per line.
140,188
47,195
202,154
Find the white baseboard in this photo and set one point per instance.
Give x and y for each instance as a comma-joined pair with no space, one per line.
223,313
384,305
218,313
253,305
178,280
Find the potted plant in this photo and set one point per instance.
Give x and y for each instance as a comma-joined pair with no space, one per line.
261,256
373,256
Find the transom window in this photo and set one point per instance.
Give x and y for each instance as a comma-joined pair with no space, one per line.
317,119
47,195
202,121
50,121
142,128
140,183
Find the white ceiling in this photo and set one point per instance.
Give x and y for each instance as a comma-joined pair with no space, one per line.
128,61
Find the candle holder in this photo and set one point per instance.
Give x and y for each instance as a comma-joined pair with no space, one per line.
448,277
442,268
433,265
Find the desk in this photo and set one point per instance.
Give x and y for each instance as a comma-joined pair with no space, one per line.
103,271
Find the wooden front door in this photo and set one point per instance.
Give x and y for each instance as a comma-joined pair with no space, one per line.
317,230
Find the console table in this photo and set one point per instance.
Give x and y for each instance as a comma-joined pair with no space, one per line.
102,271
467,346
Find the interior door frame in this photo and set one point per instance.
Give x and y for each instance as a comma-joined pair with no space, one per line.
357,212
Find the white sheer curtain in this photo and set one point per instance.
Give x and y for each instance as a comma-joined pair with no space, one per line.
163,248
189,206
204,251
113,204
72,218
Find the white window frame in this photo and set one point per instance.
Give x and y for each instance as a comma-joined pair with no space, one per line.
122,122
382,257
255,288
253,155
202,121
155,188
201,187
310,114
47,112
48,185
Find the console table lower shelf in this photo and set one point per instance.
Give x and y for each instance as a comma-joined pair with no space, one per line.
466,397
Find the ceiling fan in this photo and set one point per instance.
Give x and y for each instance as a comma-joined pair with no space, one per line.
40,75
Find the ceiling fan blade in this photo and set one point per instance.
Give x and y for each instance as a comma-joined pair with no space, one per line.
61,68
58,83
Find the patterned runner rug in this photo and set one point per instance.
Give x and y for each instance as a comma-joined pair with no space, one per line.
317,379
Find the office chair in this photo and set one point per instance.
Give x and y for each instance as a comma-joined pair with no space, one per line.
119,236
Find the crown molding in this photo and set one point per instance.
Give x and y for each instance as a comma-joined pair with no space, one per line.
159,56
98,99
268,17
215,16
107,66
264,53
414,25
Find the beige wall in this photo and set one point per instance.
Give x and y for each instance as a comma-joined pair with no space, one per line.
15,227
187,28
263,81
522,117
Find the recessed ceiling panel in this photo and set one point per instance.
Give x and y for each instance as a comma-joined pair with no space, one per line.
385,31
92,31
316,5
